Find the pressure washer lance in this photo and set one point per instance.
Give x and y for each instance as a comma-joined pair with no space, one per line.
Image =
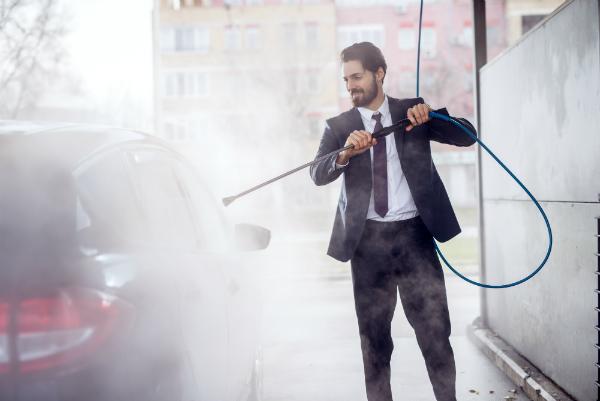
377,134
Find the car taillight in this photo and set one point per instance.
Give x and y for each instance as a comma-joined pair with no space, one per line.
61,328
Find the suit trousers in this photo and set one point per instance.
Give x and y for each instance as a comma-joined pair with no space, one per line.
400,256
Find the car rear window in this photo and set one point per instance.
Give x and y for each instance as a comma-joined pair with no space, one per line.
106,206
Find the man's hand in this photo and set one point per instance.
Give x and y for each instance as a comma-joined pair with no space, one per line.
362,140
418,114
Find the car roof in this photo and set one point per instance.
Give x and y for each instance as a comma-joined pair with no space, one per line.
15,127
72,141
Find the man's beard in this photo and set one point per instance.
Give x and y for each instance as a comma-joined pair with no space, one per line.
367,96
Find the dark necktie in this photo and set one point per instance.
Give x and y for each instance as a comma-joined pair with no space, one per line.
380,170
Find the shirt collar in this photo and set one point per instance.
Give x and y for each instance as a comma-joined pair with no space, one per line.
384,109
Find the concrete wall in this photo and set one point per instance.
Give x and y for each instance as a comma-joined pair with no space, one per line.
541,115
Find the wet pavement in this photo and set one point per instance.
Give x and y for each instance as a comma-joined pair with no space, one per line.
311,348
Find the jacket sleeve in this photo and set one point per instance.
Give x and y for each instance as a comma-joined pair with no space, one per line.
446,132
325,171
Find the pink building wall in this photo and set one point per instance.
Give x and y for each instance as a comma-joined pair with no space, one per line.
446,78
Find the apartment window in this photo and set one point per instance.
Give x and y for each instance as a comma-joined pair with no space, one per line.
201,84
428,42
312,34
170,85
253,37
202,39
233,38
407,38
289,34
186,84
465,37
167,39
350,34
184,39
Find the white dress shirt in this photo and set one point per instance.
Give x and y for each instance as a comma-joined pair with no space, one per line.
401,205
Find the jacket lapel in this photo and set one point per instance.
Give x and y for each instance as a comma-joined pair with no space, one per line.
355,120
364,159
398,112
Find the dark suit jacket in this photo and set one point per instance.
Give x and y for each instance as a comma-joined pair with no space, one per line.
414,152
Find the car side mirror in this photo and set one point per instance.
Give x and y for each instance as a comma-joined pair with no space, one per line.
249,237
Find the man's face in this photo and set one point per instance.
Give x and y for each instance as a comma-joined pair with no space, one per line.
360,83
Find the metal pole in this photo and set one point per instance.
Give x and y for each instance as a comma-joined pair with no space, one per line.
597,308
480,59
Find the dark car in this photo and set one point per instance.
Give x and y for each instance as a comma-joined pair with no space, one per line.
120,279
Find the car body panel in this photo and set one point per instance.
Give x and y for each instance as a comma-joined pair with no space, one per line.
122,213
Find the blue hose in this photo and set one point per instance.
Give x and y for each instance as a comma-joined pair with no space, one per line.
453,121
433,114
419,46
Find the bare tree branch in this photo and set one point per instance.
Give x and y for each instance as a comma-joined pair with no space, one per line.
30,47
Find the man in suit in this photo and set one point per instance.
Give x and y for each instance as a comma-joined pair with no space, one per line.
391,206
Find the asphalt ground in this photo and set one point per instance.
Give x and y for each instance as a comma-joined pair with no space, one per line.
311,347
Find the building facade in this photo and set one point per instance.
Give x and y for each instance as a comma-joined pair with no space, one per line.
256,74
222,67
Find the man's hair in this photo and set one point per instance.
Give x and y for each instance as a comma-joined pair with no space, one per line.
368,54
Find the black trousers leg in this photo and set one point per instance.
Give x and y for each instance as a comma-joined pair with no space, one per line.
399,256
422,291
375,302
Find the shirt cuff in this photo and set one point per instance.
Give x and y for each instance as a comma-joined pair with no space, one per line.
339,166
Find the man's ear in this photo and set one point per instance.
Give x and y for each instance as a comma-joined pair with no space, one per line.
380,74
